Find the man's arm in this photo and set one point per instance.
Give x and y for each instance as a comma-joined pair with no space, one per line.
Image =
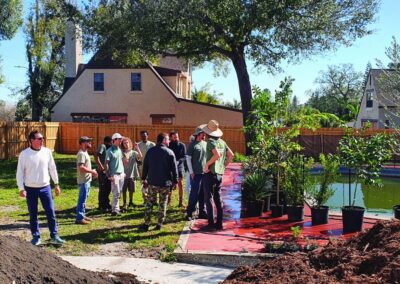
214,158
173,169
145,169
53,174
20,174
229,156
98,162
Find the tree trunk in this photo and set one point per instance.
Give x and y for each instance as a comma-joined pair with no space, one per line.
239,63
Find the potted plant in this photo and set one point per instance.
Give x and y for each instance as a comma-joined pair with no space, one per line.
318,195
365,157
297,181
255,188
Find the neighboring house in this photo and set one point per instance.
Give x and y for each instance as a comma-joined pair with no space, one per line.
104,91
376,108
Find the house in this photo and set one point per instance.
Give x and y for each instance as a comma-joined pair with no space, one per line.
376,108
104,91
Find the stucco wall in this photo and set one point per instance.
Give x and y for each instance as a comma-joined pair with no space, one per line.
364,112
153,99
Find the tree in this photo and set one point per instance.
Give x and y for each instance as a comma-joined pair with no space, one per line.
389,83
339,92
45,52
7,112
265,31
10,20
236,104
205,95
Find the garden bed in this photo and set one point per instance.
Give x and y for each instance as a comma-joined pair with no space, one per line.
371,257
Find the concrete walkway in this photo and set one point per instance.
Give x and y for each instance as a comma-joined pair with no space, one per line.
151,269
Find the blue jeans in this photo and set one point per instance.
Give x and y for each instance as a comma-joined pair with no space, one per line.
196,194
84,190
44,193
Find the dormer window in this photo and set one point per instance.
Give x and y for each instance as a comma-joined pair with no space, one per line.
369,101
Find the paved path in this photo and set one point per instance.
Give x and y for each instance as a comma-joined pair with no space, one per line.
151,269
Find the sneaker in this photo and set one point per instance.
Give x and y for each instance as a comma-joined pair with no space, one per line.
36,241
82,222
208,228
56,240
114,213
144,227
158,227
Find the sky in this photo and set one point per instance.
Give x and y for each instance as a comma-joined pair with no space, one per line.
362,51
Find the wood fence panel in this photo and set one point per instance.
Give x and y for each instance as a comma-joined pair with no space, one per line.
3,140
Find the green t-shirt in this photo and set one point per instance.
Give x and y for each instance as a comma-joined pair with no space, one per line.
197,150
131,170
219,166
114,159
83,158
101,152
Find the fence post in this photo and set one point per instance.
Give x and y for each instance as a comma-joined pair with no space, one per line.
6,144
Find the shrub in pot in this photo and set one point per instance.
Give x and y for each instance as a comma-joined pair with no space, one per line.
319,194
364,155
297,181
255,188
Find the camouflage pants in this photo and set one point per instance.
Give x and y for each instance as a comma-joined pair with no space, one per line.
151,196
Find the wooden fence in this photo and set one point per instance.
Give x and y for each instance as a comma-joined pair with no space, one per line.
63,137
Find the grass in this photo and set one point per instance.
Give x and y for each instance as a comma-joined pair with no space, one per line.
104,229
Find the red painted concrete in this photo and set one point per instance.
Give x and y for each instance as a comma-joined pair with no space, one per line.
250,234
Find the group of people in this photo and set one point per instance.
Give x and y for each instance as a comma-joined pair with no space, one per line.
159,166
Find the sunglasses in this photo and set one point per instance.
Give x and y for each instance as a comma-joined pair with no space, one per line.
39,138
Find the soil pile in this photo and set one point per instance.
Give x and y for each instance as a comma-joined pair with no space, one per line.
23,263
371,257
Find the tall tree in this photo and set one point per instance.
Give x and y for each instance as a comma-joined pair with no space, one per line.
45,42
339,91
10,20
205,95
265,31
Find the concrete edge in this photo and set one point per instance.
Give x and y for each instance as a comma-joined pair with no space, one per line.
224,259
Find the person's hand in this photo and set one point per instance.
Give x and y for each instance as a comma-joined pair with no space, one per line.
57,190
111,178
22,193
192,176
206,170
136,146
94,174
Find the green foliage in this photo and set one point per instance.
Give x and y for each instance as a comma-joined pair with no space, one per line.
10,18
319,196
239,158
296,231
339,91
366,155
256,187
297,179
205,95
313,118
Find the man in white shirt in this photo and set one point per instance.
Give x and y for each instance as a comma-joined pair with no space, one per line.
35,166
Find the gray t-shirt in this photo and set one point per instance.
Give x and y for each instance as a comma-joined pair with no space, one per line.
131,170
198,150
83,158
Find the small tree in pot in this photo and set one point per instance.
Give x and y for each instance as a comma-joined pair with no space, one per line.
365,156
319,195
255,188
297,181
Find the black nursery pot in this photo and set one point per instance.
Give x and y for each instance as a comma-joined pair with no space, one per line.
276,210
352,218
319,215
295,213
252,209
396,211
267,204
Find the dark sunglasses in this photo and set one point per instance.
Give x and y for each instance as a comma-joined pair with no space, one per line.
39,138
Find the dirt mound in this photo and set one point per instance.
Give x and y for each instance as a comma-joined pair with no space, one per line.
23,263
371,257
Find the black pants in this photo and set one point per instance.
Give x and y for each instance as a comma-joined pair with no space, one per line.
104,191
212,191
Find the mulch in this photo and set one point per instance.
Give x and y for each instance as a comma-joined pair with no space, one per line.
372,256
21,262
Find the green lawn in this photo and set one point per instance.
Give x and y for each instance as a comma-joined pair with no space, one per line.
104,229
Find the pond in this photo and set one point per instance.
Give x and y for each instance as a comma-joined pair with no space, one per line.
378,201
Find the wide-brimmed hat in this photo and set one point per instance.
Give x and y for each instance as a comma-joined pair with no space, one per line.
85,139
199,129
212,129
116,136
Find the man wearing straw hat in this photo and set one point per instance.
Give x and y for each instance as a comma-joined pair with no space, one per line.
219,155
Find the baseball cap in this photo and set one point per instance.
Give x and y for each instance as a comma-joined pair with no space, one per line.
116,136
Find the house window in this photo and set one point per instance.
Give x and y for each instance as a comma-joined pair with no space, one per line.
98,82
100,117
162,118
136,82
369,101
